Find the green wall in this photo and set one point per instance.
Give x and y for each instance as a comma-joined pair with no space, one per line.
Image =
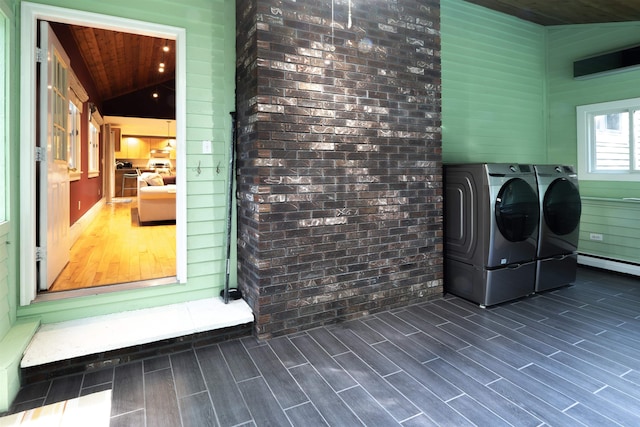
617,222
7,276
13,337
565,45
604,211
7,306
493,93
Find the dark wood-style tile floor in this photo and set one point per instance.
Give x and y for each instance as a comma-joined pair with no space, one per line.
568,357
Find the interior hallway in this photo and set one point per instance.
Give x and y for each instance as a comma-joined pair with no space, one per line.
566,357
116,249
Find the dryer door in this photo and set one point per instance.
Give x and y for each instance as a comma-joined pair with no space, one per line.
561,210
517,211
562,207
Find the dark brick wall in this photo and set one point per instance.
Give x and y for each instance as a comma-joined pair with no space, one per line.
339,158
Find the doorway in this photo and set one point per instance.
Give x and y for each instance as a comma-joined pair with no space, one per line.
30,207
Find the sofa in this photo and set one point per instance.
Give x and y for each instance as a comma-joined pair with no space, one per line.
156,197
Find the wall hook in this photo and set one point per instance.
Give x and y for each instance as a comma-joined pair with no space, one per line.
197,169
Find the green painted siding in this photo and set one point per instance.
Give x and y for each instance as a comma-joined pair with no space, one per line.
492,86
13,337
565,44
7,302
7,308
617,221
210,80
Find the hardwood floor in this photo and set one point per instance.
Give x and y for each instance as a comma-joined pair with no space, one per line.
570,357
116,249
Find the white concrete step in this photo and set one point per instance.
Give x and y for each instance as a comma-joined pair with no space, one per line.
55,342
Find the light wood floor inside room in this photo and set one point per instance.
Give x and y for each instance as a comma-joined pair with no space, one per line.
115,249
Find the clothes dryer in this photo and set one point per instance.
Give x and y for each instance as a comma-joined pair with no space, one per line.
560,210
491,219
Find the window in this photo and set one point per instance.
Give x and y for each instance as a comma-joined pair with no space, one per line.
94,144
77,97
609,141
613,121
75,149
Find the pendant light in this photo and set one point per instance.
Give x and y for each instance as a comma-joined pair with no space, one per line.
168,146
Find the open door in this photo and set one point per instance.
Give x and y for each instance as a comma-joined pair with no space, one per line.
53,173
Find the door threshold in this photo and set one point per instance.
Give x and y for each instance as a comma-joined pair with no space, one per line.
104,289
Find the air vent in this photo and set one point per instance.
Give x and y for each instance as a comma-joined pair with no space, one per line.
607,63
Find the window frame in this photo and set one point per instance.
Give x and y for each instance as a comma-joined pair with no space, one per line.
586,141
77,97
93,145
75,142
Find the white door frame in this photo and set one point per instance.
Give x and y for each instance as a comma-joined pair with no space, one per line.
30,13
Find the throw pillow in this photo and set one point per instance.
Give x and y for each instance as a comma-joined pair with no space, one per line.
152,178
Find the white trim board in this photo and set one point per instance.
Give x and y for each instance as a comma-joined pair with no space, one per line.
79,227
608,264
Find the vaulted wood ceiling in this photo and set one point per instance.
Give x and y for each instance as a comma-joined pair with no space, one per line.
562,12
123,63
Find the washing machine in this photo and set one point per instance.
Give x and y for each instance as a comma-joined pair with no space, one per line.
560,210
491,217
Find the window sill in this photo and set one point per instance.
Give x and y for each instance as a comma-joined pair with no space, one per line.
75,176
94,174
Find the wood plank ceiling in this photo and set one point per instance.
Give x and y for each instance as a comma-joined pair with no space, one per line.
563,12
123,63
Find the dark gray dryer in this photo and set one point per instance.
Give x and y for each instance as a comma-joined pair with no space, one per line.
491,219
560,210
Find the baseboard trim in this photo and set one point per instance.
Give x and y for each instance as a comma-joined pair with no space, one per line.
609,264
78,227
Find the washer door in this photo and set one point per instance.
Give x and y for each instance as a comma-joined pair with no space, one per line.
562,207
517,211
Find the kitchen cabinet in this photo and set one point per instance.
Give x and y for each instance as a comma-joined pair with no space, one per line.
121,150
138,148
160,144
134,147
